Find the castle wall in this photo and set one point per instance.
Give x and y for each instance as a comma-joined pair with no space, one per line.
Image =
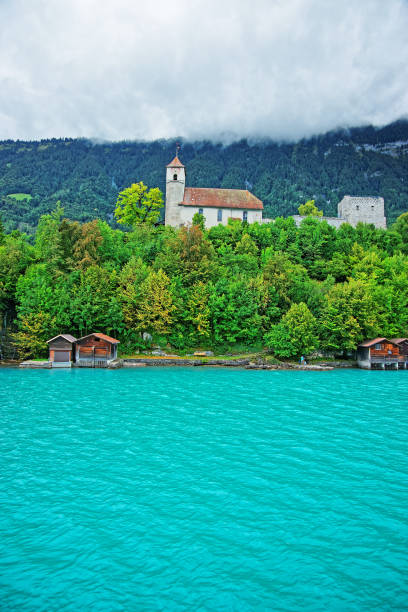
363,209
333,221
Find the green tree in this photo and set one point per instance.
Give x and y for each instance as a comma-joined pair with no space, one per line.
137,204
38,292
94,305
131,279
187,254
48,240
34,331
401,226
2,233
350,316
16,254
288,279
199,219
155,312
86,249
316,240
69,234
309,209
114,250
198,312
246,246
234,311
295,335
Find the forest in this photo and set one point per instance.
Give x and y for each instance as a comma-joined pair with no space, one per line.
292,290
86,176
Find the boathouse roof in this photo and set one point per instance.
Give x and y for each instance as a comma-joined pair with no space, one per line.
102,337
369,343
67,337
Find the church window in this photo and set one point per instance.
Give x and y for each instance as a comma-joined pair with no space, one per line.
175,177
201,211
245,215
357,207
219,215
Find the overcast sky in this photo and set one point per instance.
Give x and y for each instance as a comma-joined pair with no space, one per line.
127,69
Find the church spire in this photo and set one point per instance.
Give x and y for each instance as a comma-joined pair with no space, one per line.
176,163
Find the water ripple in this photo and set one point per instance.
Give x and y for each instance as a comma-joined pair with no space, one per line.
194,489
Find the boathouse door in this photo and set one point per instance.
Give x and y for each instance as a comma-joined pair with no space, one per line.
91,357
62,356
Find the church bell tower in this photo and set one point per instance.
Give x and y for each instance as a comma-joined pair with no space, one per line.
175,185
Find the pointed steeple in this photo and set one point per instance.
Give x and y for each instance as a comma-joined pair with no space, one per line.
176,163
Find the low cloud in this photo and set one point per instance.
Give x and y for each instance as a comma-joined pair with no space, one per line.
280,69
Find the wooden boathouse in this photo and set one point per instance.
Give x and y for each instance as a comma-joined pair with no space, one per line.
403,345
96,350
61,350
381,354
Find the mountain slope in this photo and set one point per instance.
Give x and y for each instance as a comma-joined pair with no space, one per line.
86,176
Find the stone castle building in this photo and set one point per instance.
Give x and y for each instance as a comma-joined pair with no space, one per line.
219,205
216,205
363,209
355,209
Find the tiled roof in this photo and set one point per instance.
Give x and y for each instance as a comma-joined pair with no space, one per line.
65,336
398,340
368,343
102,336
176,163
221,198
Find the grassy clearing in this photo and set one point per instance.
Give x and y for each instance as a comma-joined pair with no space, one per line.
20,196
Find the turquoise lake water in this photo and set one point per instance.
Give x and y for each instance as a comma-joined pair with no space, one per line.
203,489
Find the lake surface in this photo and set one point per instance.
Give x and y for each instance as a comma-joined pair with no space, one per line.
203,489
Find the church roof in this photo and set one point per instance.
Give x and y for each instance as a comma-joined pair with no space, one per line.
221,198
176,163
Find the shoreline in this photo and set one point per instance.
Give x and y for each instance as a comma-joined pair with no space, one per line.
245,363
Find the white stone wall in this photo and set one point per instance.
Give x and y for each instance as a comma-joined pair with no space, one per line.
187,213
363,209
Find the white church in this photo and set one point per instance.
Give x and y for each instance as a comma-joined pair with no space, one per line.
216,205
219,205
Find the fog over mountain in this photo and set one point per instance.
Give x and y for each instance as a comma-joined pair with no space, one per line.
200,68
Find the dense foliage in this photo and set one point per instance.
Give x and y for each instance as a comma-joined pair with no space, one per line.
291,289
136,204
86,176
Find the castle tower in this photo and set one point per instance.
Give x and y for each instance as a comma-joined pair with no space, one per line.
368,209
175,185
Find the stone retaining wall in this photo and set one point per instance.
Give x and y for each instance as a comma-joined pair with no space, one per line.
128,363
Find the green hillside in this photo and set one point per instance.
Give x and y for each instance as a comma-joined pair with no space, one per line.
86,176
